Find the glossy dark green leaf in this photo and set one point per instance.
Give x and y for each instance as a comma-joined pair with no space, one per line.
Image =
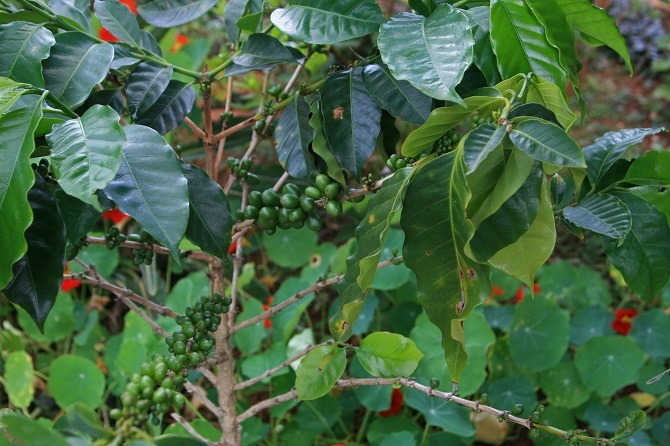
235,11
210,222
520,43
397,97
594,22
558,32
170,108
606,150
511,221
326,22
362,265
167,13
119,20
480,142
483,56
23,46
17,142
86,152
652,168
293,135
321,147
548,143
601,213
432,53
111,97
659,197
261,52
38,274
449,284
551,97
644,254
351,119
145,85
534,110
148,43
75,10
75,66
139,188
78,216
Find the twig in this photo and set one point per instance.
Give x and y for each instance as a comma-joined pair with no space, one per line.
194,128
183,423
267,404
158,249
130,304
222,142
280,182
272,371
200,394
237,266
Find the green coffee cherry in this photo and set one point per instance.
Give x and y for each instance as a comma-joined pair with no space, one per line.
434,383
255,198
297,215
517,409
313,193
332,191
307,204
322,181
251,212
334,208
290,201
290,188
313,222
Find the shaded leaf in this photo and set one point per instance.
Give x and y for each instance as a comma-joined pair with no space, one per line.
261,52
167,13
235,11
601,213
119,20
321,147
79,217
293,135
170,108
23,46
145,85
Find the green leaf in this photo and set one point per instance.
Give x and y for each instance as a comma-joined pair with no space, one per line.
449,284
86,152
644,254
38,274
656,196
432,53
75,379
606,150
511,221
399,98
78,216
284,322
235,11
210,222
520,43
318,372
145,85
26,431
17,129
651,331
376,398
170,108
388,355
256,365
601,213
19,379
290,248
443,119
10,93
76,10
326,22
539,334
441,413
480,142
551,97
362,265
630,424
507,392
588,323
394,276
139,188
119,20
293,135
399,439
522,258
75,66
606,364
548,143
165,14
594,23
351,119
59,324
23,46
563,386
262,52
559,33
652,168
321,147
484,57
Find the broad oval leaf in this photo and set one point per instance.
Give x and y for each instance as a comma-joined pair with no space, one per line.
73,379
326,21
652,168
480,142
23,46
293,135
439,412
170,108
145,85
432,53
260,52
388,355
644,255
75,66
351,119
86,152
563,386
19,378
548,143
449,284
139,188
319,371
399,98
651,331
210,222
601,213
167,13
17,129
119,20
38,274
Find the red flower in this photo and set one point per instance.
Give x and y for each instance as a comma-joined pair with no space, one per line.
106,35
536,288
180,41
623,320
69,284
268,323
131,5
396,404
232,247
497,291
115,216
518,297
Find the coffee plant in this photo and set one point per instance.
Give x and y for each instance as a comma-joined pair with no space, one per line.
323,222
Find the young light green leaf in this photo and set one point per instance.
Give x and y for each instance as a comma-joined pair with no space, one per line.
551,97
432,53
139,188
170,108
318,372
652,168
119,20
326,21
19,379
86,152
23,46
145,85
548,143
293,135
165,14
235,11
601,213
630,424
388,355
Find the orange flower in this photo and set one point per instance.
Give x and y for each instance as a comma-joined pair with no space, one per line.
106,35
131,5
268,323
623,320
115,216
396,404
497,291
180,41
69,284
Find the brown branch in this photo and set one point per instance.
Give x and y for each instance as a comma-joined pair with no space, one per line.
237,266
236,128
201,396
194,128
158,249
183,423
267,404
222,142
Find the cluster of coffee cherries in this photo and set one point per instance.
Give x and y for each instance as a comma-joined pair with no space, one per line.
142,255
446,143
242,170
396,162
159,383
478,120
72,250
43,170
277,92
114,238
